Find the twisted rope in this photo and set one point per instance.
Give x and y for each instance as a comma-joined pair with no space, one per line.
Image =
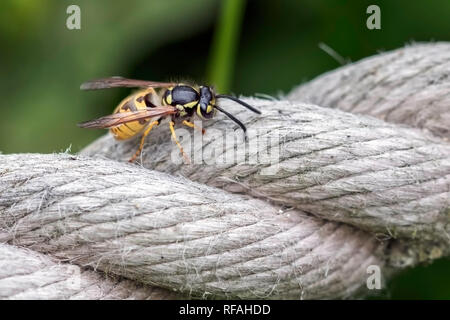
342,167
174,233
26,274
409,85
344,192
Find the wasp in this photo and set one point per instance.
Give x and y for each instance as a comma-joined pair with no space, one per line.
140,112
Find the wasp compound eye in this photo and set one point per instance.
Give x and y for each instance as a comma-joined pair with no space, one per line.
206,110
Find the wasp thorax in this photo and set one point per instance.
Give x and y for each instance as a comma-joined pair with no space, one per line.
181,95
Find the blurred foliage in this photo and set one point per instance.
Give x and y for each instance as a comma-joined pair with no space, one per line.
42,63
225,43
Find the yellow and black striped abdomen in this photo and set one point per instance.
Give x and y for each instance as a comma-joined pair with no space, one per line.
137,101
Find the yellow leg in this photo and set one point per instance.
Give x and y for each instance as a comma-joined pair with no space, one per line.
190,124
146,132
174,136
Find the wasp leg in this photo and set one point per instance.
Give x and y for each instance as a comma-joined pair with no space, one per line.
174,136
190,124
146,132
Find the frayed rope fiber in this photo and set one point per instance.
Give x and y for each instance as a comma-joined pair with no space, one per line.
345,192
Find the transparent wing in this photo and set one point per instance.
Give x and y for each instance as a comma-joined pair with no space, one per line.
117,82
116,119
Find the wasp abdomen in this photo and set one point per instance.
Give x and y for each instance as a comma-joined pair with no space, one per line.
147,99
138,101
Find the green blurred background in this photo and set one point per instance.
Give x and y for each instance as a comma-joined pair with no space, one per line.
245,47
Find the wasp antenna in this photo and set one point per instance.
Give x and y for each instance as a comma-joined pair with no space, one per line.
229,115
224,96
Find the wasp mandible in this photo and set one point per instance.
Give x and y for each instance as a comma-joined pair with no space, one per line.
140,112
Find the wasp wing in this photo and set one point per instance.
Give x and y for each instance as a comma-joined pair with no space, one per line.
116,119
117,82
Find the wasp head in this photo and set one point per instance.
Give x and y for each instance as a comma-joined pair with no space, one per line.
207,101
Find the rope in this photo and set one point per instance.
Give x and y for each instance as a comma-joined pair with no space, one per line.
339,166
26,274
171,232
409,85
